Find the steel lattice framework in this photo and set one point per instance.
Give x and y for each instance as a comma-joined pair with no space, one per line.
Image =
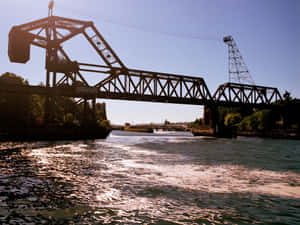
243,94
142,85
118,81
237,68
49,33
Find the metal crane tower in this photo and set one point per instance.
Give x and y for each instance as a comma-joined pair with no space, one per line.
238,71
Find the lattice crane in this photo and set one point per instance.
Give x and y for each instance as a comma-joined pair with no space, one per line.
237,69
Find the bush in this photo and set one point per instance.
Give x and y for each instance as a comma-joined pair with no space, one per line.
232,119
196,123
258,121
265,119
104,123
69,118
249,123
14,107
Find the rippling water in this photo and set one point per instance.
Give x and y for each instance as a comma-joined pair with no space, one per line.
162,178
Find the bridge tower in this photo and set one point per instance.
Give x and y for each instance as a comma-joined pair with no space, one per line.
237,69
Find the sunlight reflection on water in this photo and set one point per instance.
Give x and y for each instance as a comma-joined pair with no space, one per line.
131,178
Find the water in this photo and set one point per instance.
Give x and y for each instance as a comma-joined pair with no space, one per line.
162,178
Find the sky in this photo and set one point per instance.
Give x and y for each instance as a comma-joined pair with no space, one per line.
172,36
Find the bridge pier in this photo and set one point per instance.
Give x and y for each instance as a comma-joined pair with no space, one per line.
48,116
89,113
48,110
211,117
213,120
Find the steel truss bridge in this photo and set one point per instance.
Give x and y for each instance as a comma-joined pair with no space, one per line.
66,77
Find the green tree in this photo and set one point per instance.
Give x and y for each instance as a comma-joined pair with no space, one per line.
265,119
287,96
37,110
232,119
258,121
24,110
167,122
249,123
197,123
104,123
14,107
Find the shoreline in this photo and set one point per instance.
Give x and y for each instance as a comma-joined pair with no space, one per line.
274,134
53,133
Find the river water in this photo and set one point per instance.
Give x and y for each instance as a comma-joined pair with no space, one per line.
160,178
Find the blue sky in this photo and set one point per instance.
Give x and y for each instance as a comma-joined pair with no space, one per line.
175,36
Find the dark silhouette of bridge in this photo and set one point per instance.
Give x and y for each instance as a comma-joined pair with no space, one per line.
65,77
120,82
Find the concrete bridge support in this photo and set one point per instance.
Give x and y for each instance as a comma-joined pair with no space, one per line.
89,111
213,120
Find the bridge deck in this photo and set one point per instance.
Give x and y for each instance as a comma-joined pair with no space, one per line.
93,92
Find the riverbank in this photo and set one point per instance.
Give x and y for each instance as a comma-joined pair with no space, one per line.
150,128
275,133
139,129
233,133
53,133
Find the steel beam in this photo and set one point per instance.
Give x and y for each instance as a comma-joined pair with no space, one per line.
244,94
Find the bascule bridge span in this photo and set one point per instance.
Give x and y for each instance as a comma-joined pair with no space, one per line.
65,77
